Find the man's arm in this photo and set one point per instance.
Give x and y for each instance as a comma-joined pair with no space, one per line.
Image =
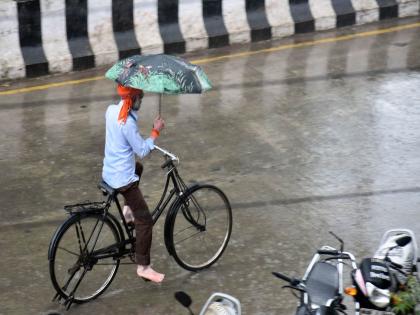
141,147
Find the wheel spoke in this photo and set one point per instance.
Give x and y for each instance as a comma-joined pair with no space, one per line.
187,228
105,264
192,226
69,251
192,235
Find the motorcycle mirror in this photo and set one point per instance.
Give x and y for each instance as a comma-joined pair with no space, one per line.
339,239
403,241
183,298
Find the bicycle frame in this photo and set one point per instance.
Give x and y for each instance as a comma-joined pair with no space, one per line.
179,187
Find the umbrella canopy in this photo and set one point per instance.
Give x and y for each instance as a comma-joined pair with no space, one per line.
161,73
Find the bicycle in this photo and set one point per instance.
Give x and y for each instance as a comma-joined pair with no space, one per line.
85,251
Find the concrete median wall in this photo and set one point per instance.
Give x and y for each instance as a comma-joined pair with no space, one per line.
38,37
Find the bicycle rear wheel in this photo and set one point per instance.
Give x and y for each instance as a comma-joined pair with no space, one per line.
76,271
200,228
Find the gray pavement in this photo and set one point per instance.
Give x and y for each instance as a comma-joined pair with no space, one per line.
302,140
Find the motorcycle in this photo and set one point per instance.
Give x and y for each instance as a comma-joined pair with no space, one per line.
217,304
379,277
321,288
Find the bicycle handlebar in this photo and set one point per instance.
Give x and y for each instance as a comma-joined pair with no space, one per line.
172,157
167,163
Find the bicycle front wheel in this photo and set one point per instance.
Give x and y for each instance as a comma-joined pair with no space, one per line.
77,270
201,227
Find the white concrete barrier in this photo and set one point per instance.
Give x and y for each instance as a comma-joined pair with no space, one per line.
39,37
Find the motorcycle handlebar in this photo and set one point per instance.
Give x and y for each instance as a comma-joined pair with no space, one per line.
293,281
282,276
328,252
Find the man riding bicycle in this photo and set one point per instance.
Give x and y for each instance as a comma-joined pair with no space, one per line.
121,171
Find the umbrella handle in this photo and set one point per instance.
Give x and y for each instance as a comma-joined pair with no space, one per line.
160,104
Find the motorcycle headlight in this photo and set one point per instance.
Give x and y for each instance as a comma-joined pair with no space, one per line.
220,308
379,297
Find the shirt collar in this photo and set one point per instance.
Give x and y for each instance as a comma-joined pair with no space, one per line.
131,113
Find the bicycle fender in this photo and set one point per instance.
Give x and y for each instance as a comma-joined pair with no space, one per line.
167,227
170,217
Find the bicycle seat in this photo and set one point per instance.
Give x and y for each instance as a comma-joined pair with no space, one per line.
106,189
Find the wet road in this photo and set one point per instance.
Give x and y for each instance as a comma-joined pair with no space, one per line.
302,140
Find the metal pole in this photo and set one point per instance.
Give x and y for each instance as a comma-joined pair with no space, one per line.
160,104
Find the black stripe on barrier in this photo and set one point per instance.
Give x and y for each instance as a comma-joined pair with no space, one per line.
387,9
346,15
77,34
173,42
30,37
123,26
302,16
213,21
257,20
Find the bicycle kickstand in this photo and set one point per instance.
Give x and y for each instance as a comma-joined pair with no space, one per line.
68,302
57,298
65,302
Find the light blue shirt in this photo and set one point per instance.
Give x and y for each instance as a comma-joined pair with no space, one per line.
122,142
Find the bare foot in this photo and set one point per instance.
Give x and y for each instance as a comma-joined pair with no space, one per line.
128,214
148,273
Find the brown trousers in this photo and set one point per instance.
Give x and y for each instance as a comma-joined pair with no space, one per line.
142,218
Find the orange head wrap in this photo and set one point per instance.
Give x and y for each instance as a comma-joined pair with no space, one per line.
127,94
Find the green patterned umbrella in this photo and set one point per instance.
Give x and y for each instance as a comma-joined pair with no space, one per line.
161,73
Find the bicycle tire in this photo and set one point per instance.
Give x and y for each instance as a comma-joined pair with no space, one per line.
203,211
69,240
